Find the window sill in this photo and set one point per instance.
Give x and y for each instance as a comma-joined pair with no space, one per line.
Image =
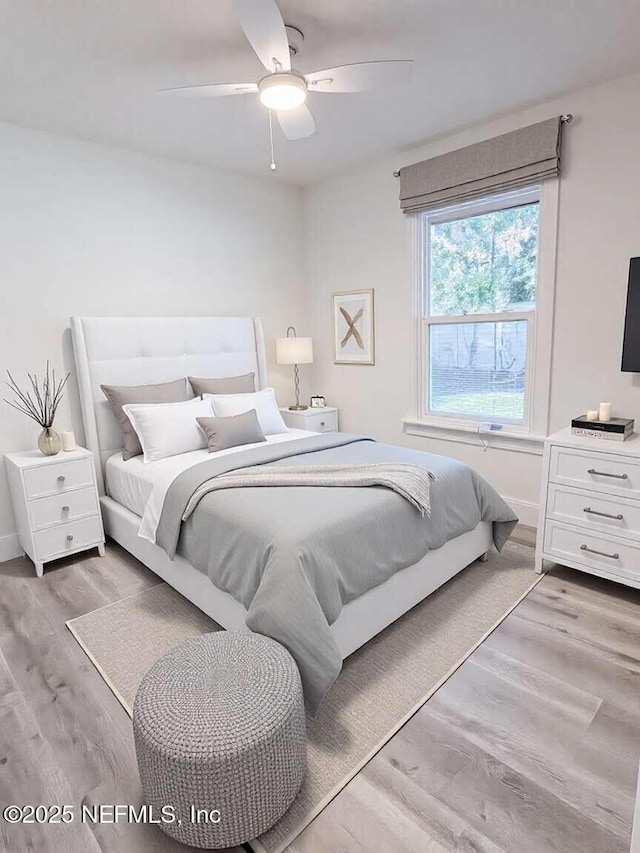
465,433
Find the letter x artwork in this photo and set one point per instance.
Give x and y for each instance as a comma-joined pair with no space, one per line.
353,327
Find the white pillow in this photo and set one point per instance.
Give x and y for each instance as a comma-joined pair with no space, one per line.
168,429
264,402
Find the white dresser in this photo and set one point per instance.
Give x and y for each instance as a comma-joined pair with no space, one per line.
323,419
590,506
55,503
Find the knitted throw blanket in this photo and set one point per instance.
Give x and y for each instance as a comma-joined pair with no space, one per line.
411,482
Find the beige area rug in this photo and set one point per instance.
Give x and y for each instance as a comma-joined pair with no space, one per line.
380,687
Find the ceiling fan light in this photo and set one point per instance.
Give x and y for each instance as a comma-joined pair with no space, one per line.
282,91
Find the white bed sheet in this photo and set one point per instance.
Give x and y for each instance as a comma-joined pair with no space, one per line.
132,482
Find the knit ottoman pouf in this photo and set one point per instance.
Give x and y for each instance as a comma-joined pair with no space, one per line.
219,730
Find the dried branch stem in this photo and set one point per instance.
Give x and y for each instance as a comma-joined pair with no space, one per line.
43,405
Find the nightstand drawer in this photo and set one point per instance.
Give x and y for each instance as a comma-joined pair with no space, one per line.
67,506
602,472
58,477
321,421
313,419
74,536
597,551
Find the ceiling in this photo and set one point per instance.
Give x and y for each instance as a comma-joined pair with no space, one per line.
92,69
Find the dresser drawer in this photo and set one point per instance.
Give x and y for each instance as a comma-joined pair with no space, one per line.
58,477
74,536
67,506
594,511
604,472
598,551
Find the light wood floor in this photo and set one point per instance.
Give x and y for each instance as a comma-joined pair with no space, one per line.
531,747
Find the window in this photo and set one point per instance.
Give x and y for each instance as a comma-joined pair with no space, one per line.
478,270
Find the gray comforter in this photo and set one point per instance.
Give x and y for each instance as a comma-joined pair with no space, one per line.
295,555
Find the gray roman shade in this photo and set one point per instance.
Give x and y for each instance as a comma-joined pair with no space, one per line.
521,157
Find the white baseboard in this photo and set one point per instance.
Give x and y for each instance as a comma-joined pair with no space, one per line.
10,547
526,511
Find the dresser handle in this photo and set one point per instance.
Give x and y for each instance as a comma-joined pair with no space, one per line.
66,509
605,474
61,478
70,538
600,553
617,517
321,423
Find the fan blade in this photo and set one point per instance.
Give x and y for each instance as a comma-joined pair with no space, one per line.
360,76
213,90
263,26
298,123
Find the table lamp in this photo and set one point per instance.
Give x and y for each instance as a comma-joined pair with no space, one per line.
294,350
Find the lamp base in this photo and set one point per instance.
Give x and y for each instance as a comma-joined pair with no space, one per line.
298,408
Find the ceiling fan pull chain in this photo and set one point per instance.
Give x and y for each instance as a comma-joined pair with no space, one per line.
272,165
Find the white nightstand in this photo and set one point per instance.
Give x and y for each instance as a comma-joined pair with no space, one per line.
590,506
316,420
55,503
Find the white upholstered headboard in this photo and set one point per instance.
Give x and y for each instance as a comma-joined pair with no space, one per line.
146,350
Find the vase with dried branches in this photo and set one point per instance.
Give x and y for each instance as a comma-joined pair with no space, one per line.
40,403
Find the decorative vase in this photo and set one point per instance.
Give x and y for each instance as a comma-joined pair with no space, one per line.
49,442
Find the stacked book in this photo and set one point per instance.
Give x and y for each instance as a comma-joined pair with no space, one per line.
617,429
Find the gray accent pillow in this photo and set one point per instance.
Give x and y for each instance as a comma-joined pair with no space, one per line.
231,431
120,395
245,384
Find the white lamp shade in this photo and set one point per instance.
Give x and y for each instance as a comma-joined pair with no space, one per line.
294,350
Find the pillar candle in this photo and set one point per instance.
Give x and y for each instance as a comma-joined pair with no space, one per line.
68,440
592,415
605,411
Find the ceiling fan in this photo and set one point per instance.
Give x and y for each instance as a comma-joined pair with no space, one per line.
283,89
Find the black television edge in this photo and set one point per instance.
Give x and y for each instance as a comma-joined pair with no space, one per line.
631,341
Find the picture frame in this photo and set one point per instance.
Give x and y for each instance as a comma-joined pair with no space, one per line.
317,402
353,327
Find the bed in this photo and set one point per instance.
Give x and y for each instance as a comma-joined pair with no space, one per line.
132,351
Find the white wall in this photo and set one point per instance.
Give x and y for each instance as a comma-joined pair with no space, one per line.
90,230
357,238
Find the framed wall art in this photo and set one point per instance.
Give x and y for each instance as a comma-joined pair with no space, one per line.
353,327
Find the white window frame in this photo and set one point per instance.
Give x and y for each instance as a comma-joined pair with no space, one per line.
529,434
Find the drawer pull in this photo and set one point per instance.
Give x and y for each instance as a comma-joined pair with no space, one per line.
61,478
618,517
66,509
70,538
600,553
321,423
606,474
